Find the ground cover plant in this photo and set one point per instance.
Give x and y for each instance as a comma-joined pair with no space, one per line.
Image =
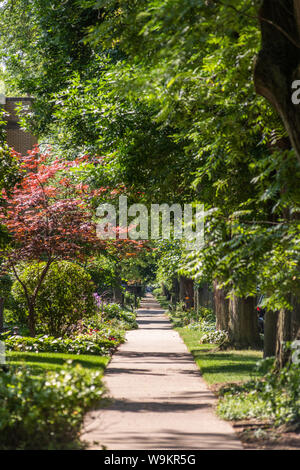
275,398
45,411
100,343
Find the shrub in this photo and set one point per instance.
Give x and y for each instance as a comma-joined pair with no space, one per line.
45,411
5,285
129,298
114,311
114,314
204,326
65,296
181,317
125,321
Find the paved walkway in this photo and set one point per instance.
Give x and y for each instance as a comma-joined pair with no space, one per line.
160,399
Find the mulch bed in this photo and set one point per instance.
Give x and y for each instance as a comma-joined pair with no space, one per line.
256,435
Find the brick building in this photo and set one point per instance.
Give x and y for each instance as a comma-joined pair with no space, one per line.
18,139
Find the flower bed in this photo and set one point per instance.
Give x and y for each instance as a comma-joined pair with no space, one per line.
93,342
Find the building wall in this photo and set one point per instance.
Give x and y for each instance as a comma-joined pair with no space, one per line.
18,139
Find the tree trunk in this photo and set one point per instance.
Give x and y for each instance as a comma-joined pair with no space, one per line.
295,320
243,324
1,314
31,320
117,289
165,291
175,291
221,307
278,63
270,333
117,294
205,296
288,329
31,299
283,335
186,291
196,300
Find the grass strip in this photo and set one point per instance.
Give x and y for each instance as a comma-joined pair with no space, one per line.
56,361
218,367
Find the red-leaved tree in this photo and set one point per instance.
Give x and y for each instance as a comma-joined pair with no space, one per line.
49,218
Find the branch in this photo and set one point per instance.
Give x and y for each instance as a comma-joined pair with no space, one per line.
42,277
22,284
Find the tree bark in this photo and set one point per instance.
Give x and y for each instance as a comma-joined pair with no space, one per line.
205,296
288,329
175,291
278,63
196,300
31,320
270,333
283,335
243,324
117,289
295,320
186,291
117,294
165,291
221,307
31,299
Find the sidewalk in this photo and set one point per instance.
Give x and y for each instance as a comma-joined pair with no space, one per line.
160,399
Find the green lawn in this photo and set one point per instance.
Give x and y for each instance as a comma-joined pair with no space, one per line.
55,361
220,366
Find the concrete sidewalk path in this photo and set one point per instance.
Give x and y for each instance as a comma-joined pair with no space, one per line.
160,400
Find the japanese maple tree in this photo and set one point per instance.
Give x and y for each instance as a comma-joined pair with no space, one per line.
48,217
